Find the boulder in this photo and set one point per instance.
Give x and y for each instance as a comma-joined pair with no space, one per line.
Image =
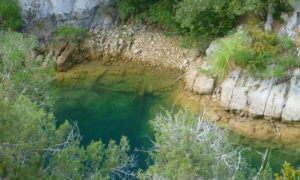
203,84
199,83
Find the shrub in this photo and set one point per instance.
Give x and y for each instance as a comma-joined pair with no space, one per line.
186,147
68,32
128,8
19,67
260,52
10,14
288,173
31,145
233,47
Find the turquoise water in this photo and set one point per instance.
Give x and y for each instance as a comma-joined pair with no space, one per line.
276,157
115,101
112,101
109,115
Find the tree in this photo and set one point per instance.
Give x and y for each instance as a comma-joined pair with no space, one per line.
31,146
26,74
187,147
10,15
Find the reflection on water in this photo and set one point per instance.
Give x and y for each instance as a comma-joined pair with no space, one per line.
113,101
109,115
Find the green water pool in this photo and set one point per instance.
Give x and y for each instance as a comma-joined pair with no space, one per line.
111,107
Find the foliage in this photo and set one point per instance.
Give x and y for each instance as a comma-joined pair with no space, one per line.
288,173
189,148
198,21
32,146
127,8
68,32
10,15
255,50
18,67
233,47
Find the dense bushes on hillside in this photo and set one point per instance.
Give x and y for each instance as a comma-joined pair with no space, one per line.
10,15
198,17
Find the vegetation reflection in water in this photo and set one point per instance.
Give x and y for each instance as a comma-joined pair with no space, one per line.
109,115
115,100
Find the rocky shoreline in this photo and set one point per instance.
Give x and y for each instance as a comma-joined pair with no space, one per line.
222,100
263,109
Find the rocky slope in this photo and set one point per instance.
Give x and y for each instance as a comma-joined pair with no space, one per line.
43,16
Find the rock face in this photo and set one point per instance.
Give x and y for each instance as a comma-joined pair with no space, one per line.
262,97
291,23
292,107
199,83
48,14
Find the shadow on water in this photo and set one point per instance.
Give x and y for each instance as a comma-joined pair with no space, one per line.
118,101
109,102
109,115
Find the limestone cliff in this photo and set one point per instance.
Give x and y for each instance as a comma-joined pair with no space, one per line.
42,16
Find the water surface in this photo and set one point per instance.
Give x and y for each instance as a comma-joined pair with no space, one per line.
109,102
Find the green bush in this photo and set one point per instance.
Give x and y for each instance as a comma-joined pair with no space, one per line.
288,173
128,8
68,32
260,52
18,67
234,48
10,15
187,147
31,145
198,21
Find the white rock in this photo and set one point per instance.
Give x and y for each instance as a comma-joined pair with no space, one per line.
212,47
227,88
292,23
268,24
276,101
189,79
79,13
291,111
203,84
239,98
258,95
199,83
